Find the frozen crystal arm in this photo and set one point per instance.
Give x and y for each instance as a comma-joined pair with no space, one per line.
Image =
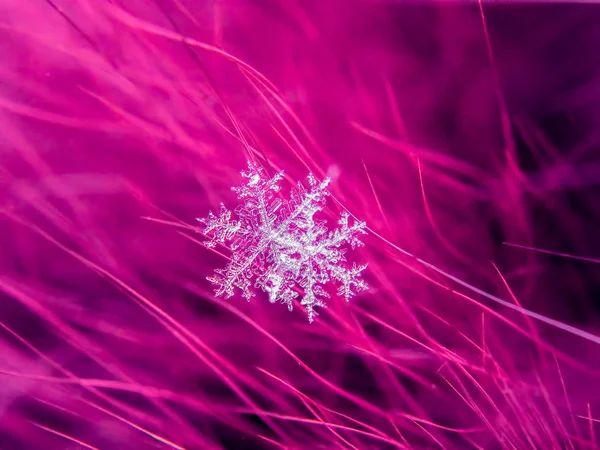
219,229
350,280
348,234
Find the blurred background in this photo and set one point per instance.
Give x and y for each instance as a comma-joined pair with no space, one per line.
464,133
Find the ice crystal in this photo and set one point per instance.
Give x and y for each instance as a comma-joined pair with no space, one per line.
280,246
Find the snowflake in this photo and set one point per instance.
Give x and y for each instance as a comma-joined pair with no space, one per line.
281,246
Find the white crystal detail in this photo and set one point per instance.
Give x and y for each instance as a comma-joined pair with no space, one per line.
279,244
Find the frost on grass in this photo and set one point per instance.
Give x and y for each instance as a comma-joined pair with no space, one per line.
278,246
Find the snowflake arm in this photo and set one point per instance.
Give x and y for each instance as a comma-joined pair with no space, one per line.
220,228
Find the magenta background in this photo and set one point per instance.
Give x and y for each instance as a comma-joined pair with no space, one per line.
104,124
